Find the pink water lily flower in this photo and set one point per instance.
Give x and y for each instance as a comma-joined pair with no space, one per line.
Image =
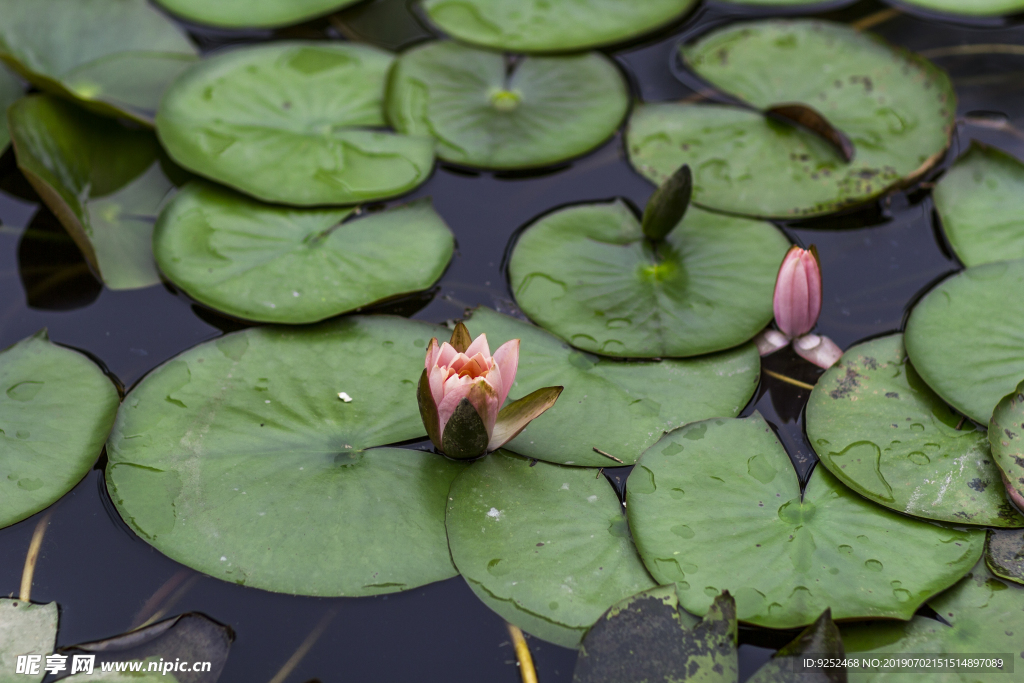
797,304
462,391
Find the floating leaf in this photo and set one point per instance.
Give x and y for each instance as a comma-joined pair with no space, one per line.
544,546
1004,435
115,57
617,407
485,110
56,409
787,555
881,431
252,13
10,90
589,275
1004,554
981,203
553,25
982,615
105,182
811,119
820,640
896,109
965,340
293,122
237,457
25,629
977,8
286,265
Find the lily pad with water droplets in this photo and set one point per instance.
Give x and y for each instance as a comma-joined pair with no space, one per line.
965,338
981,203
896,109
980,614
25,629
788,555
587,274
880,430
252,13
974,8
115,57
551,25
105,182
288,265
237,457
10,90
619,407
1004,554
299,123
544,546
485,110
56,409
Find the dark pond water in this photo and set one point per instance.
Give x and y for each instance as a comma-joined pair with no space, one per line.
876,262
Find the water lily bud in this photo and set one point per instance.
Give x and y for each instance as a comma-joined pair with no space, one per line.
462,390
797,300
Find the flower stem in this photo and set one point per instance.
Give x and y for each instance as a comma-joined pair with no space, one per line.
32,558
787,380
526,670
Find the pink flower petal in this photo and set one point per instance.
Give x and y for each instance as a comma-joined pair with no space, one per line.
455,391
797,298
821,351
437,378
770,341
485,399
446,355
479,345
432,352
507,359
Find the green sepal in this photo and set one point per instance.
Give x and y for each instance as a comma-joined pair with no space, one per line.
513,418
428,411
465,435
668,204
460,338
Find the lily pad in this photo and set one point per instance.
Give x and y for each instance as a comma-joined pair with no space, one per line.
252,13
104,181
1004,554
896,109
43,457
981,203
976,8
618,407
10,90
1004,435
881,431
982,615
544,546
819,640
588,275
115,57
238,456
486,110
286,265
551,26
788,555
25,629
965,340
294,123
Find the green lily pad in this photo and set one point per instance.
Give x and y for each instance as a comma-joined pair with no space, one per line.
544,546
981,203
252,13
115,57
588,275
965,340
1004,554
1004,435
819,640
25,629
42,458
896,109
105,182
788,555
976,8
238,456
286,265
10,90
486,111
551,26
294,123
983,615
881,431
619,407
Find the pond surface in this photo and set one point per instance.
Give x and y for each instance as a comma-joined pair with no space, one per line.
876,262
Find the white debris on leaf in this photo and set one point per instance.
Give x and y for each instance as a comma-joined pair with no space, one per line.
494,513
344,397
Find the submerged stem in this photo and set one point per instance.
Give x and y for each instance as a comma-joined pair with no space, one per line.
32,558
306,646
526,669
977,49
788,380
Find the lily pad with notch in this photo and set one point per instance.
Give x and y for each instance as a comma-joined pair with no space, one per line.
42,458
106,183
553,25
238,456
881,431
981,203
589,275
114,57
494,111
291,265
252,13
546,547
833,118
789,554
617,407
293,122
965,340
